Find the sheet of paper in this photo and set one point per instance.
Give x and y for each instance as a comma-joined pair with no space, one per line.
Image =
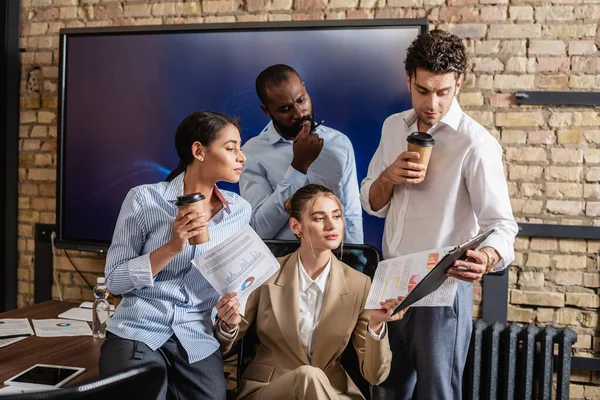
398,276
15,326
80,314
90,304
61,327
9,341
239,264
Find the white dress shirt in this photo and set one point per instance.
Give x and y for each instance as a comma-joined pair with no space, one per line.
310,302
464,190
311,294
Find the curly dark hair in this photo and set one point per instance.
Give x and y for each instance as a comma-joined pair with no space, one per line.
437,51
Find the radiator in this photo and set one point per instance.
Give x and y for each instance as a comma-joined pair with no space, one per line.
517,362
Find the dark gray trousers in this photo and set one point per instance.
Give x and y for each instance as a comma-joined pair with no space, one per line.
201,380
430,347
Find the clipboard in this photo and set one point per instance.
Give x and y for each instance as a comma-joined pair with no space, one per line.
434,279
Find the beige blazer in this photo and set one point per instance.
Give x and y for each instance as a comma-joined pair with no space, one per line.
274,308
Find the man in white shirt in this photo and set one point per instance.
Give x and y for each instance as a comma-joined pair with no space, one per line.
292,152
462,190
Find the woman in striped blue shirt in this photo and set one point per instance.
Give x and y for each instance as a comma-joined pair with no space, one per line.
165,314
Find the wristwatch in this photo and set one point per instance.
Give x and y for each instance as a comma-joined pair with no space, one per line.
492,260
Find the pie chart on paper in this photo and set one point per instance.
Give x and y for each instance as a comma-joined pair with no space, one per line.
248,282
414,280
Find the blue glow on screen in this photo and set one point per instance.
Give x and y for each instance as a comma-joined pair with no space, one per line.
125,95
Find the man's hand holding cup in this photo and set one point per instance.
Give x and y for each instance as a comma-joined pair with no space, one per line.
405,170
411,166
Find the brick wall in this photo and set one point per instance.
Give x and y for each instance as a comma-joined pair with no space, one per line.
551,153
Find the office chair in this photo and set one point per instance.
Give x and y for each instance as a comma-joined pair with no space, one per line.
138,383
363,258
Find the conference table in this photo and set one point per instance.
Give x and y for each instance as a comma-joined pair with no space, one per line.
75,351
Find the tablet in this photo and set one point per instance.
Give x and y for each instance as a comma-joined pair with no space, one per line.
437,276
44,375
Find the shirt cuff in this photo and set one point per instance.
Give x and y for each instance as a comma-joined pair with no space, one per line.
498,245
295,177
140,271
381,333
364,199
227,334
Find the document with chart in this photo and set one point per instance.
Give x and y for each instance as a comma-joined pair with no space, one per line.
239,264
399,276
420,277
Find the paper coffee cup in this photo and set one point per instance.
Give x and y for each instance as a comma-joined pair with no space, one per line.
421,143
197,200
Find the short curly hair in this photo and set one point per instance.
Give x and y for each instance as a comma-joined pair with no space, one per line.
437,51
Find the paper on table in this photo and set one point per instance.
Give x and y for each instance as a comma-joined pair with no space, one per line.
80,314
398,276
90,304
239,264
9,341
61,327
15,327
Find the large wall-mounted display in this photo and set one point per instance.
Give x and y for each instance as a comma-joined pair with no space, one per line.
124,91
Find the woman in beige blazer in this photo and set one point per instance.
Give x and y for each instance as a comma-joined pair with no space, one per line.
307,312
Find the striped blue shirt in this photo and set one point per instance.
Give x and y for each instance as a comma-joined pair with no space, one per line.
269,180
178,300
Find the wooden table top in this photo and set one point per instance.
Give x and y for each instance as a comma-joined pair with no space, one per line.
77,351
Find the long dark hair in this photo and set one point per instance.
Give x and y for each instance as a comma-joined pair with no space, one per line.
204,127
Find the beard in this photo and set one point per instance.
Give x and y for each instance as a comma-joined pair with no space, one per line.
291,131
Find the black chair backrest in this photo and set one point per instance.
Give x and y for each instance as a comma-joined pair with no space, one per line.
138,383
363,258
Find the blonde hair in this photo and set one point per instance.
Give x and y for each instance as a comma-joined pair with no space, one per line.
301,202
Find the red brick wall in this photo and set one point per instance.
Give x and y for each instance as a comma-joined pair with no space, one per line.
551,153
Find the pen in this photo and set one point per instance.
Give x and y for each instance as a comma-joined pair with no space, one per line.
317,125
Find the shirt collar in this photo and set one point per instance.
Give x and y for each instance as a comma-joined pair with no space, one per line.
175,189
451,119
272,135
306,281
454,115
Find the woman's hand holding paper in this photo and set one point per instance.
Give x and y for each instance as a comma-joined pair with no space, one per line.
228,310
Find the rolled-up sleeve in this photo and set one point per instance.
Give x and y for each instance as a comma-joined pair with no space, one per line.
488,190
376,168
126,268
